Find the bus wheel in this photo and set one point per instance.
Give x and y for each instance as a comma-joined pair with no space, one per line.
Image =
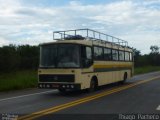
93,85
62,90
124,78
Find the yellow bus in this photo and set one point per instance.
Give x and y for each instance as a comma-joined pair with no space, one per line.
84,59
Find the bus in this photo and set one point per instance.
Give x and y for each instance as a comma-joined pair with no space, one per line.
84,59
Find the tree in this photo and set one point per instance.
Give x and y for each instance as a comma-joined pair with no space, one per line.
154,56
18,57
137,55
9,59
154,49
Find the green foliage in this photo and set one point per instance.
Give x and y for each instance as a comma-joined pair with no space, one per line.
18,66
29,56
18,80
146,69
8,58
151,59
154,49
18,58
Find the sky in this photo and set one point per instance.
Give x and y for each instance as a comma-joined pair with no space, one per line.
33,21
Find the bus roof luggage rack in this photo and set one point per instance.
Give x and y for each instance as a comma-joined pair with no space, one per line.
88,34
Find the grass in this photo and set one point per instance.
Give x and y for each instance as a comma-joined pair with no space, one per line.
18,80
146,69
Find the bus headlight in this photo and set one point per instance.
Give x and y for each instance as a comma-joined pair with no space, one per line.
48,86
72,86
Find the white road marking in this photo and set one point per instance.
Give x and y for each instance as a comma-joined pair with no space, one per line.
158,108
26,95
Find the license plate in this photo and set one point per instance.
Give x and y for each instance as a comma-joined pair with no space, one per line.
55,86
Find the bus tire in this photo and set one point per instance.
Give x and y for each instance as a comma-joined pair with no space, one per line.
124,78
93,84
62,90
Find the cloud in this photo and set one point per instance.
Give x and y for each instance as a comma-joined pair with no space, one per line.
136,21
74,3
3,41
7,7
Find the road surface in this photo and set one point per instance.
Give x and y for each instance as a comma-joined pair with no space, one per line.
141,94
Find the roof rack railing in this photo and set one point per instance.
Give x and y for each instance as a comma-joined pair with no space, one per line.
88,34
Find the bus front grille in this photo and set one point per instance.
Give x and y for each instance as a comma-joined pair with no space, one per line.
56,78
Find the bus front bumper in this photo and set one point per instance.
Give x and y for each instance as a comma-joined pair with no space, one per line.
70,86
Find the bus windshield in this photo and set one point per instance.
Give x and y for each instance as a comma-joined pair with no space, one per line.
59,56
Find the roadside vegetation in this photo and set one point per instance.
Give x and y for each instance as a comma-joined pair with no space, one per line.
146,69
18,65
18,80
148,62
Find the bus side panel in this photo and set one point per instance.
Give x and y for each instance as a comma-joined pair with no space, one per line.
129,72
121,74
104,78
84,79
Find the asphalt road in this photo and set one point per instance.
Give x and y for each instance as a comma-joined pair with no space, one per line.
141,94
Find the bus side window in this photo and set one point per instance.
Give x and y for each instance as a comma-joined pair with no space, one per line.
131,58
115,55
121,55
126,56
107,54
98,53
86,53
